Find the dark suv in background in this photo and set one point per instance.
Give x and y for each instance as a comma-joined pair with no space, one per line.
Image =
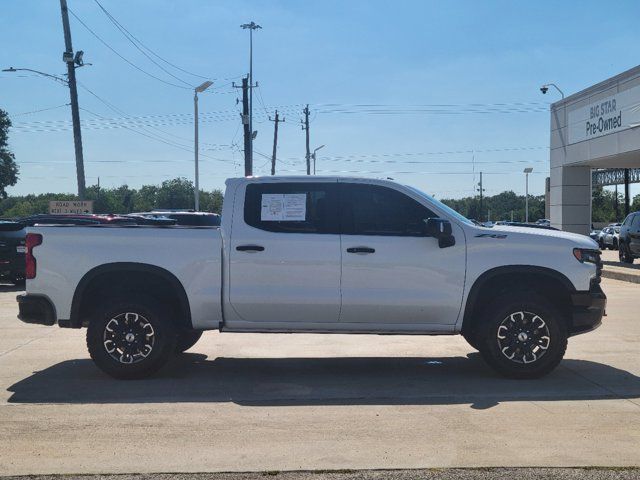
629,242
12,248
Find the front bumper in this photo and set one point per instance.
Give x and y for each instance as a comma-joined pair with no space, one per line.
36,309
588,308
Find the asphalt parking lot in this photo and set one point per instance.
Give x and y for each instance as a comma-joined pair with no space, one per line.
246,402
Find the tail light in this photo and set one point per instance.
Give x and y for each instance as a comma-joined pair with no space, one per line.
32,240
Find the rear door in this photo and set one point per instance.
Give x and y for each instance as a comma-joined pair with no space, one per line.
285,255
391,272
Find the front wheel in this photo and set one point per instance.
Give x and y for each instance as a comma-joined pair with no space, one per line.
131,338
523,336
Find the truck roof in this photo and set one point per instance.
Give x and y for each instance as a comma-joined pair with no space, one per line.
307,178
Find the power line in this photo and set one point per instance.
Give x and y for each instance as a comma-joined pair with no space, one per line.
148,134
134,41
152,52
221,115
40,110
122,57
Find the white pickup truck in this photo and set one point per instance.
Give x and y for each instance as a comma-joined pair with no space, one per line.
316,255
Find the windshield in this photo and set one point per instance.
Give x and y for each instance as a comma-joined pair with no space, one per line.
448,210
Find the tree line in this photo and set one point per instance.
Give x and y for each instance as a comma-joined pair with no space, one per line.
175,193
605,206
503,206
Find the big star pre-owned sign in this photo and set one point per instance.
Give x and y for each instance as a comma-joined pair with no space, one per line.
608,115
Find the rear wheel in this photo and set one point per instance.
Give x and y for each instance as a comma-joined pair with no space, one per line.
187,339
131,338
523,336
624,254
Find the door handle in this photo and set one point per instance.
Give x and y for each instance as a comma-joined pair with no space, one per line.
250,248
361,250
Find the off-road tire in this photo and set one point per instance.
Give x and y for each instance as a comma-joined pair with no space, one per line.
531,304
187,339
153,314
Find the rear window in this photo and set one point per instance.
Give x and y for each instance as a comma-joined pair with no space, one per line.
292,207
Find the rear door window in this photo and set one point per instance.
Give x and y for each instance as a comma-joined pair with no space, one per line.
292,207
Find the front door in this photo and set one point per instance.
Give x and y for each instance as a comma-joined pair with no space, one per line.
285,255
391,272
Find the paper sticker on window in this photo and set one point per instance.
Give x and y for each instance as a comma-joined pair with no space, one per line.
277,207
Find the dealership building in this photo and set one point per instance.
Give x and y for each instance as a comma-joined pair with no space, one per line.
595,140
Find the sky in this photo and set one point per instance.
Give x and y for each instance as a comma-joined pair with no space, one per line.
428,93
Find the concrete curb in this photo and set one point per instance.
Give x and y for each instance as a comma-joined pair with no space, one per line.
618,275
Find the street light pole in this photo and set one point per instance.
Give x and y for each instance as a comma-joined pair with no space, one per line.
251,26
54,77
196,192
314,158
527,171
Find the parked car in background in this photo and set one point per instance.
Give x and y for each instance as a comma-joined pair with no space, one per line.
629,238
545,222
600,237
12,248
610,239
188,217
151,219
79,219
595,234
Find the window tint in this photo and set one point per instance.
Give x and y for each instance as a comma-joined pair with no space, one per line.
628,220
636,221
311,207
377,210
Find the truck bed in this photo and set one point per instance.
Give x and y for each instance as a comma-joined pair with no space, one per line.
192,254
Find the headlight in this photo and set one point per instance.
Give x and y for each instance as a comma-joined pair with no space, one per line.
585,255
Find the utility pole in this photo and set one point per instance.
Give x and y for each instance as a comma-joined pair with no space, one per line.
71,60
251,27
275,120
248,161
481,190
305,127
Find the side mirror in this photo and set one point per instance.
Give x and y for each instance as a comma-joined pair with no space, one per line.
440,229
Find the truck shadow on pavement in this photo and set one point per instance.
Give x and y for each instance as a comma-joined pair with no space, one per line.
325,381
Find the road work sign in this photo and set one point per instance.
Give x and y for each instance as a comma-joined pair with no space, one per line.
70,206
